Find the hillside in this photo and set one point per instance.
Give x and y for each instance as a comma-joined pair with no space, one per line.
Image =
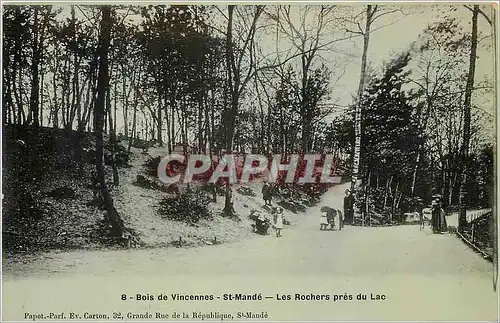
49,201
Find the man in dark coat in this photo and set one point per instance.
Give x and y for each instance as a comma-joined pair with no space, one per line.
348,205
266,194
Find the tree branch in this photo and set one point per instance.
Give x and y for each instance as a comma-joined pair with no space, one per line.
485,16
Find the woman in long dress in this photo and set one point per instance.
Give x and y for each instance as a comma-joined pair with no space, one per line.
435,219
442,214
278,221
438,219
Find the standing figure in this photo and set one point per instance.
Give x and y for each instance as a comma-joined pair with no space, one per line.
442,216
348,207
266,194
278,221
323,222
340,218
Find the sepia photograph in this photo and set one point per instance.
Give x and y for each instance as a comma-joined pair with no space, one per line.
253,161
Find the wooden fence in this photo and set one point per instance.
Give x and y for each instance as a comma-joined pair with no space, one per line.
471,240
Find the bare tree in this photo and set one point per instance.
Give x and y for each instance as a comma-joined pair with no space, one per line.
40,25
309,33
467,114
440,57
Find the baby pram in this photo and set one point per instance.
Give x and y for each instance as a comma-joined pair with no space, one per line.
261,225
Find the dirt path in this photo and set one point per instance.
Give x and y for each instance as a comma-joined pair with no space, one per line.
423,276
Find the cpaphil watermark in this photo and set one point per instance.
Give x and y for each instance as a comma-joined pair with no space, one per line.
306,168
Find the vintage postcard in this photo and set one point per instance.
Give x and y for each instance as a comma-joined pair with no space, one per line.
254,162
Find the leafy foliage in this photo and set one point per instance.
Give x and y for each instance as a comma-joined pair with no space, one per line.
390,136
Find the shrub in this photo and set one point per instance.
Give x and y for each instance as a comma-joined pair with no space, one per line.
152,166
189,207
292,206
246,191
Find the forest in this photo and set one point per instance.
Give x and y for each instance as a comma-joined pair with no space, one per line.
267,79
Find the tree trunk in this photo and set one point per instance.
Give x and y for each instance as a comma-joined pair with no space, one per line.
183,121
367,190
357,111
124,103
35,81
394,201
55,120
234,87
387,188
134,121
415,170
208,131
42,80
159,121
66,104
112,118
112,137
467,119
85,97
262,118
306,125
75,88
8,98
91,96
212,125
117,225
172,121
167,122
200,122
